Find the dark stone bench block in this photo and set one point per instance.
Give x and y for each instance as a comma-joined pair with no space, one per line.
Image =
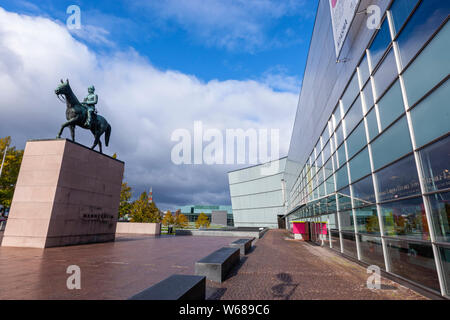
243,244
218,264
175,287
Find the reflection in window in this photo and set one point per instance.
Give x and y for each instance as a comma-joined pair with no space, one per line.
341,155
385,74
350,93
330,184
364,70
349,241
392,144
344,199
353,116
340,135
342,177
398,180
380,43
405,218
436,165
414,261
431,117
368,97
371,250
429,68
440,213
335,242
391,105
363,192
367,220
445,259
372,124
426,19
357,140
360,165
337,115
401,9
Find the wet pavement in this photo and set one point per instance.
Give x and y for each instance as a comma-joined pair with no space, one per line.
282,269
114,270
276,268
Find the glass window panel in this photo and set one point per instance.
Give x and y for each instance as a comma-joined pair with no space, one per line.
326,151
357,140
368,97
337,115
371,250
367,220
346,218
385,74
372,124
341,155
342,177
330,185
350,93
392,144
328,168
426,19
431,117
401,9
380,44
440,213
363,192
413,261
405,218
360,165
322,190
364,70
436,165
335,242
325,134
429,68
344,199
353,116
349,241
340,135
445,259
398,180
391,105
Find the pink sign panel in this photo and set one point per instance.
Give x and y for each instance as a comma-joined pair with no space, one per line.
298,228
323,228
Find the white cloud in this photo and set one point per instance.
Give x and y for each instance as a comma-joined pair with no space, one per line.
143,104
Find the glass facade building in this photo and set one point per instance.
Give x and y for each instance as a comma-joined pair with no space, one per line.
193,211
258,194
370,150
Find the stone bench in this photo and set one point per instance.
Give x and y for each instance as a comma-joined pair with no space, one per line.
243,244
175,287
218,264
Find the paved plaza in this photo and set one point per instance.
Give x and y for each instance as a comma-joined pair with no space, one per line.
276,268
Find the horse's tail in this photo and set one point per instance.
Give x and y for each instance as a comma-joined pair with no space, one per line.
107,134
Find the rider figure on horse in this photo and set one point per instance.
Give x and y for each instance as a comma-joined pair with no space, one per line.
89,102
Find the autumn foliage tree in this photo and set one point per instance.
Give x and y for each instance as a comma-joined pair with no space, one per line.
168,219
144,211
125,197
202,221
10,171
181,221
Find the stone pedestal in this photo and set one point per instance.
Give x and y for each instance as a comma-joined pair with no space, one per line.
66,194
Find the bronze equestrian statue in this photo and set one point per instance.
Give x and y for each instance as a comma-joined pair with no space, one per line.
83,114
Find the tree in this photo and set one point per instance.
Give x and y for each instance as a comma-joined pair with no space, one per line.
168,219
125,197
181,221
202,221
10,171
144,211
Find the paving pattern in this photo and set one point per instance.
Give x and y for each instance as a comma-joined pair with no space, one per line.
282,269
114,270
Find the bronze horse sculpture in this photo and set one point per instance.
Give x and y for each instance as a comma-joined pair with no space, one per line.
76,115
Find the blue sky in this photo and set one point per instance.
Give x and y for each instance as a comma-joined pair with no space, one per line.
158,66
209,39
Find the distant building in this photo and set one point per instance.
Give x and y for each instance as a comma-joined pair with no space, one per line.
193,211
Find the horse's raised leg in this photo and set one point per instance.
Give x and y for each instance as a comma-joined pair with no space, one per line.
96,141
72,132
68,123
100,145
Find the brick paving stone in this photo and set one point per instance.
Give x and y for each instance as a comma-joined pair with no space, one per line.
281,269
